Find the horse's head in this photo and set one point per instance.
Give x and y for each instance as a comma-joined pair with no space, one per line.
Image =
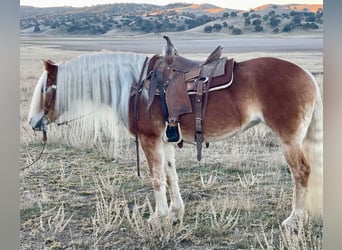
42,109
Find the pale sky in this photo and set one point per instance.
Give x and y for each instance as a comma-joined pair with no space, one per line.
232,4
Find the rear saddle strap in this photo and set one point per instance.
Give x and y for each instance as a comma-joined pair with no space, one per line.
201,109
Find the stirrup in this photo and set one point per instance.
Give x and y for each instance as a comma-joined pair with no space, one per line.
172,134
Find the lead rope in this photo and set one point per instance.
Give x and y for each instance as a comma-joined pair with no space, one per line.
45,138
41,152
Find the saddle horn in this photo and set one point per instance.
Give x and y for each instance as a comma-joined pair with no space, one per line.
169,50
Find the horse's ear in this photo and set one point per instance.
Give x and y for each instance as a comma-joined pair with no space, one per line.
49,65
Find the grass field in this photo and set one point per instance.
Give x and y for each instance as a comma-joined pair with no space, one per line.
84,197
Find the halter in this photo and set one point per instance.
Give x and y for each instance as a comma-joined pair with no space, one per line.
47,106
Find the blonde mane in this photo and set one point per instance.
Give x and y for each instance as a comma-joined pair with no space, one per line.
101,78
97,88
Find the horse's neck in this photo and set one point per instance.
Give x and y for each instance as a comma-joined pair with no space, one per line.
104,80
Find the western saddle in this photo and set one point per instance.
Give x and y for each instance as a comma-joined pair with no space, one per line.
173,78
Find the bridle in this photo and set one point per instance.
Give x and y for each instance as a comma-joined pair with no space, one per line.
51,90
52,96
51,87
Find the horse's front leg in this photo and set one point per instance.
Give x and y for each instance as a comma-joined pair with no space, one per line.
176,210
154,151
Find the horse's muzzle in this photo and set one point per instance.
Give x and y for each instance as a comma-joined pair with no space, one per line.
40,124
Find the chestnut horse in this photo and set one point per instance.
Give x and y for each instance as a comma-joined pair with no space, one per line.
276,92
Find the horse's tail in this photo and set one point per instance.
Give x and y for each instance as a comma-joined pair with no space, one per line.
313,150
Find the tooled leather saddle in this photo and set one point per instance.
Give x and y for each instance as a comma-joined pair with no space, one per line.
173,78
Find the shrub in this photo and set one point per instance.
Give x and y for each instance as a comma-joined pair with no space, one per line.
310,26
258,28
287,28
247,22
245,14
36,28
274,22
257,22
208,29
225,15
236,31
217,27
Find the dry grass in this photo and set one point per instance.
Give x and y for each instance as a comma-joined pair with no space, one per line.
78,197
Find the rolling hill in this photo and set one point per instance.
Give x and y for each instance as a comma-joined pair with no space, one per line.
114,19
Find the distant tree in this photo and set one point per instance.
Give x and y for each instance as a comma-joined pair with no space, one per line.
274,22
245,14
208,29
225,15
233,14
287,28
159,27
180,28
247,22
36,28
296,20
225,24
292,13
138,20
319,13
256,22
311,18
147,26
271,13
236,31
310,26
276,30
217,27
285,15
258,28
254,15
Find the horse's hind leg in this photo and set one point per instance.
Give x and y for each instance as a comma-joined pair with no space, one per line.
176,210
300,171
154,151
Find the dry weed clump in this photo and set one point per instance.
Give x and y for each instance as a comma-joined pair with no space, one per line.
156,232
306,236
107,218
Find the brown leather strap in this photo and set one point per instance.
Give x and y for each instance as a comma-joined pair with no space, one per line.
199,113
137,101
198,119
207,87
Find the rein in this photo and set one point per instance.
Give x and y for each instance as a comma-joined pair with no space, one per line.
45,139
137,99
40,154
72,120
